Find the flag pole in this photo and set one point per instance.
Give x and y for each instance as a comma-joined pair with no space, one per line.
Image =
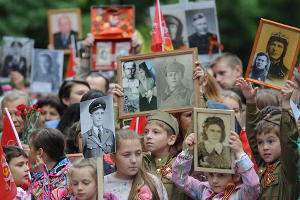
14,128
160,25
137,125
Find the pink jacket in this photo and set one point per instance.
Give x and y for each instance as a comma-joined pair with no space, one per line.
202,191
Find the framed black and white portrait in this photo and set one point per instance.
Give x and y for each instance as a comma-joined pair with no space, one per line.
103,54
212,152
16,56
157,81
193,24
274,54
46,71
97,126
64,25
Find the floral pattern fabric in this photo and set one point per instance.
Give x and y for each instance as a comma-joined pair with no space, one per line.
52,184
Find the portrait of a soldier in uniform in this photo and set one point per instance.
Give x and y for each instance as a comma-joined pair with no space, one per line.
175,93
131,87
99,138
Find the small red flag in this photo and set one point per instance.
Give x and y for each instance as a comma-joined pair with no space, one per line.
138,125
70,71
8,189
9,134
246,147
161,40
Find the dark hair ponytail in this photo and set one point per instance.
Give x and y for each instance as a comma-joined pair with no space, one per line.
51,141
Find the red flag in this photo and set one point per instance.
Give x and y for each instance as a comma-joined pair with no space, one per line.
8,189
9,134
161,40
138,124
70,69
246,147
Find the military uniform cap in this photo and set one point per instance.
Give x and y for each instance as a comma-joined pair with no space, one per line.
273,117
166,118
175,67
96,104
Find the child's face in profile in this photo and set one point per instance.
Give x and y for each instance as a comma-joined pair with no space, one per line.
156,139
268,146
83,184
214,133
19,170
218,181
128,158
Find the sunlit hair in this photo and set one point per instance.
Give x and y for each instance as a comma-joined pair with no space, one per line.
141,176
231,59
214,120
12,96
232,95
267,97
212,90
82,163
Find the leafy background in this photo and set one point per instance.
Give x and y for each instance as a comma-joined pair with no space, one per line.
238,19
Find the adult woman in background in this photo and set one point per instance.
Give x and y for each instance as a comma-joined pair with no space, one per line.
51,109
71,91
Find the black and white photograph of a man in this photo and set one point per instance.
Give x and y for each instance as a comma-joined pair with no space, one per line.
97,127
201,28
175,28
260,66
103,53
177,90
130,83
47,70
276,49
16,56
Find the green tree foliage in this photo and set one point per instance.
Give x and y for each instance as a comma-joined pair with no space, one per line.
238,19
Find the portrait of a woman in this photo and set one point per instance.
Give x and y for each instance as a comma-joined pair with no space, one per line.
147,89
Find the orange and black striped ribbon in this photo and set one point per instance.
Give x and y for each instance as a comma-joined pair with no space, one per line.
229,189
268,176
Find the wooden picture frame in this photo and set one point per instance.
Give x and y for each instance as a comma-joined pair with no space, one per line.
100,177
70,17
74,156
273,55
140,97
207,158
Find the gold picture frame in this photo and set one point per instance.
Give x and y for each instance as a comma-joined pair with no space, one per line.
70,20
210,155
274,54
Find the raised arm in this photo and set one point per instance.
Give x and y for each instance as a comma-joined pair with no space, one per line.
181,168
253,115
251,187
288,135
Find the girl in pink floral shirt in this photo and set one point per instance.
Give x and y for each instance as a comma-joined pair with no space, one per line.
130,181
18,164
219,185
